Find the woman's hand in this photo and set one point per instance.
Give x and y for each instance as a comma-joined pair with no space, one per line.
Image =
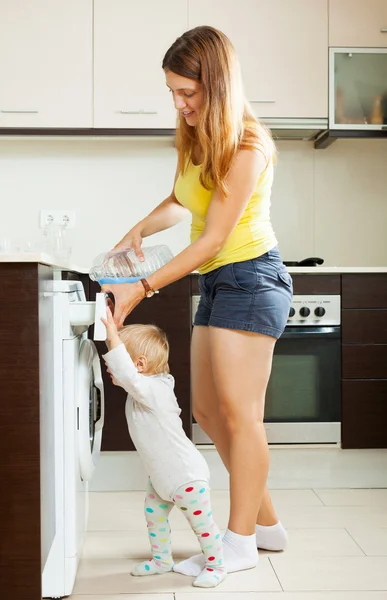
133,239
126,296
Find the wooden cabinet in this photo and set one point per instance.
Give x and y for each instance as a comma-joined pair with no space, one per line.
283,49
316,284
26,425
364,413
46,63
365,326
364,291
170,310
367,361
79,63
357,89
364,360
130,40
358,23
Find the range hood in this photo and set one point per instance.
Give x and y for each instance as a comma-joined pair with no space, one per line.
296,129
318,131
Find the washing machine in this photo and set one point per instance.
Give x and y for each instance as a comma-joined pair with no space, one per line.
78,398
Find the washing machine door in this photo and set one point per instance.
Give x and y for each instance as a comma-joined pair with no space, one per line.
91,408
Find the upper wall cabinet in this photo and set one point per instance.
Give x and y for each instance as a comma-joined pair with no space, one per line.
283,50
46,63
358,23
130,40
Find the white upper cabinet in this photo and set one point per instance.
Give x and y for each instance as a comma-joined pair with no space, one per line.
283,49
358,23
130,40
46,63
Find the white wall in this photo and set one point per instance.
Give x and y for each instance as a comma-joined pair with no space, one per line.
330,203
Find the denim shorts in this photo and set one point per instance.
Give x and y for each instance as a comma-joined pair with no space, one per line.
252,295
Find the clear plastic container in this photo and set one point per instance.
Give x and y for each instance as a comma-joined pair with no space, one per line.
125,267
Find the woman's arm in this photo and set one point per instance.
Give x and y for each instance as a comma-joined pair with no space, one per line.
222,217
167,214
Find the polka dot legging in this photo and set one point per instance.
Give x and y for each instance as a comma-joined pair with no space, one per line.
194,501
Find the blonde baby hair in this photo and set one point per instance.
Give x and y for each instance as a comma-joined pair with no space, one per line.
149,341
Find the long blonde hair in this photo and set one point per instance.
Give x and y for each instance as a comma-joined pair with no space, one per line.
226,122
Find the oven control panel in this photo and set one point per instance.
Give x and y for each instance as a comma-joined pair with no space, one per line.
314,310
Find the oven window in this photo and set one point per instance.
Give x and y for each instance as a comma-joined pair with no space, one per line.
305,382
293,391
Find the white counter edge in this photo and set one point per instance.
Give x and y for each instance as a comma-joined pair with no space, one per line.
44,259
331,270
336,270
64,265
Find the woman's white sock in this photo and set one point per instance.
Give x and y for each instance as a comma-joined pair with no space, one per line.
271,537
240,553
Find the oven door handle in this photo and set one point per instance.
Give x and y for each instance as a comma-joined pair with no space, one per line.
311,332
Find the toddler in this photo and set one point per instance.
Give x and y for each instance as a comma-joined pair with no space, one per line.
178,474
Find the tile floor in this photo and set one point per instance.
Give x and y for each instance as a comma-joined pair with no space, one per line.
338,550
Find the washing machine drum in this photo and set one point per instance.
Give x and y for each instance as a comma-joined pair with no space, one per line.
91,408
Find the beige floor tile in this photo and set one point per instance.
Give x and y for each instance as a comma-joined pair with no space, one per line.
295,498
117,511
320,574
374,497
101,500
115,520
113,577
372,540
124,511
288,596
318,517
320,542
135,544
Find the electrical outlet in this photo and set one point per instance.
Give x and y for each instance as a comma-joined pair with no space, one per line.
57,217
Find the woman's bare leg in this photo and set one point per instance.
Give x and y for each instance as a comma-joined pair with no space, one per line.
241,388
217,412
205,405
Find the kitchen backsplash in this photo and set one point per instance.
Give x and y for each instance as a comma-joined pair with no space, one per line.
330,203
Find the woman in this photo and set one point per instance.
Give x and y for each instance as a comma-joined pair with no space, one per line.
224,178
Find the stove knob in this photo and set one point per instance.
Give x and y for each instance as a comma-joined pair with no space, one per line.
319,311
304,311
292,312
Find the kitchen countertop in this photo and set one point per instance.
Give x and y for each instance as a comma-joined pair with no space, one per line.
65,265
60,264
335,270
330,270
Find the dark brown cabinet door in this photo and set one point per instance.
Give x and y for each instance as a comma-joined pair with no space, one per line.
21,299
316,284
364,362
364,326
365,290
170,310
364,410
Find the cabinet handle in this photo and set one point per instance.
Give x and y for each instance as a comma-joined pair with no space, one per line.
262,101
141,111
383,30
19,112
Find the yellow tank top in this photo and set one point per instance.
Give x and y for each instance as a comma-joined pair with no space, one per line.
253,235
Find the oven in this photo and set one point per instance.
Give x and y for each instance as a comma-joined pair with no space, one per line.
303,400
